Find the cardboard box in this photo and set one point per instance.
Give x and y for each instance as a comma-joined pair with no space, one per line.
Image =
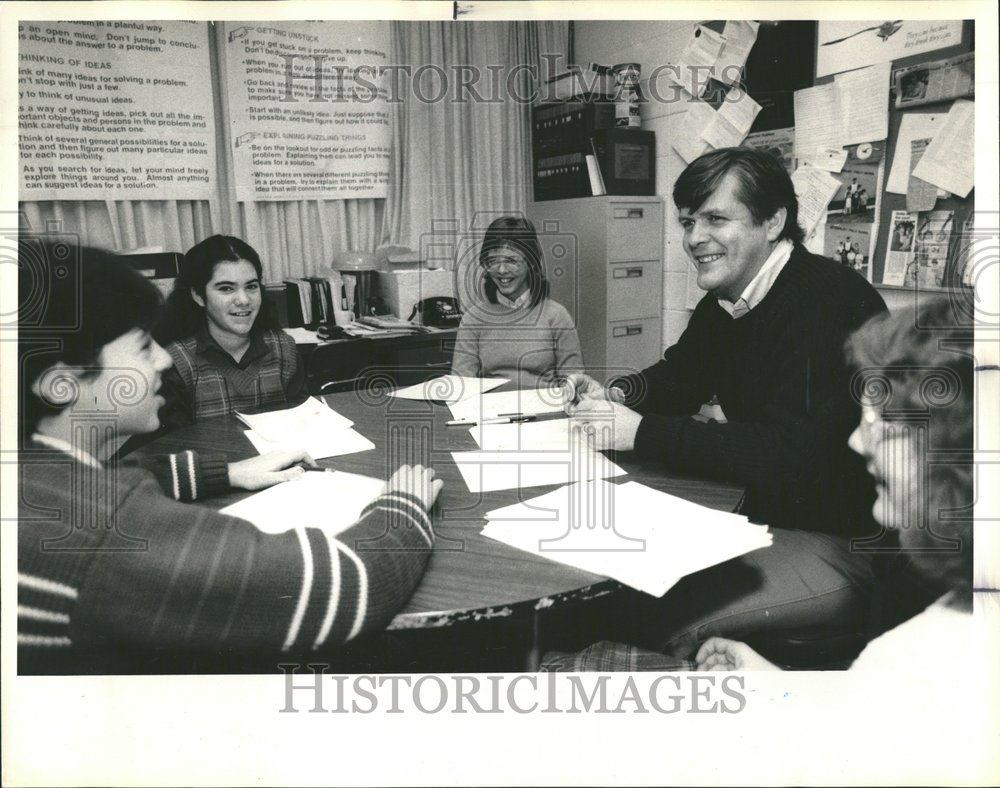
403,289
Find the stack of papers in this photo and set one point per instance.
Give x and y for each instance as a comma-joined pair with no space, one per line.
303,336
641,537
331,501
525,454
449,388
311,426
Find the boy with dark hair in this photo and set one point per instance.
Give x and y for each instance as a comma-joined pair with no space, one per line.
110,565
767,341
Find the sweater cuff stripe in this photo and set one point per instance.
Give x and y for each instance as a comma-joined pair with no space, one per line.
333,600
307,580
419,511
359,616
173,474
191,474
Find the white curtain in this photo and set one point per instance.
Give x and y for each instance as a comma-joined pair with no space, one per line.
458,157
174,225
451,160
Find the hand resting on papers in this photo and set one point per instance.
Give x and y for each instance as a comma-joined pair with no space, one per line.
266,470
418,481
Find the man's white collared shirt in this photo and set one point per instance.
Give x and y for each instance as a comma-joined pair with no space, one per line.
759,286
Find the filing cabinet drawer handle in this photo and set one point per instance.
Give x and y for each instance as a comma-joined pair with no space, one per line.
632,272
626,331
629,213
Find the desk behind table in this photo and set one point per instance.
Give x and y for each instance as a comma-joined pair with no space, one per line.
469,577
394,360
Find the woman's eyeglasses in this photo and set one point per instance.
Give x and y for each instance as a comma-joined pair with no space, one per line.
493,263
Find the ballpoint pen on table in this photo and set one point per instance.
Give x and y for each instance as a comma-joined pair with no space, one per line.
511,419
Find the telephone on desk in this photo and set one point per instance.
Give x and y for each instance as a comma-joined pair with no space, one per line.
439,311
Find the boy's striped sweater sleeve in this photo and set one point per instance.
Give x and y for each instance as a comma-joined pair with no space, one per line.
189,475
210,581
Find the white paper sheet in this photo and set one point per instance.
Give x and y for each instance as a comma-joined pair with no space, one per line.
331,501
816,126
814,189
689,142
547,435
524,402
852,44
911,127
949,162
740,37
449,388
732,120
695,64
310,417
318,445
641,537
484,471
303,336
829,159
863,99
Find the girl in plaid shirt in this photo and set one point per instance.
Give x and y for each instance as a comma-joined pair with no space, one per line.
228,353
111,562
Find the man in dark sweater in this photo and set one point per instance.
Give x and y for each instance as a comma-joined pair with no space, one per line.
767,341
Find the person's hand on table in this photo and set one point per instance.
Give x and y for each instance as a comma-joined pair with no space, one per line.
605,424
578,387
418,481
724,654
269,469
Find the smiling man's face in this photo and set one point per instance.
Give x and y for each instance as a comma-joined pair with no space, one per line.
724,242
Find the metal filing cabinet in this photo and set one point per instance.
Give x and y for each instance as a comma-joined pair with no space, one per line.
604,263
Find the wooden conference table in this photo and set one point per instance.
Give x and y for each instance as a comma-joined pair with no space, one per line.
469,577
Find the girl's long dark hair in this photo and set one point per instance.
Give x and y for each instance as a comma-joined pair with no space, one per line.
182,316
517,233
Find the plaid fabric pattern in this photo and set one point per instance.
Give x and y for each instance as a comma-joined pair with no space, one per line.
218,386
608,657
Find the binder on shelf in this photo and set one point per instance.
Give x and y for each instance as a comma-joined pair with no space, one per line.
561,134
315,300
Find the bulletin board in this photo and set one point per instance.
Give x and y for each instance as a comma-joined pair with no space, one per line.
962,208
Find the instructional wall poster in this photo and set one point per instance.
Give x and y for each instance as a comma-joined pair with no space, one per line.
115,110
844,46
308,108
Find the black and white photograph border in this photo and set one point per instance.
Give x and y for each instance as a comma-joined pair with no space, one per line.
308,724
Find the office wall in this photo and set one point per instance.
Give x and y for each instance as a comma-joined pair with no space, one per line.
647,43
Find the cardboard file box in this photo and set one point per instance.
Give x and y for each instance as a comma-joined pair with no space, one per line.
403,289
